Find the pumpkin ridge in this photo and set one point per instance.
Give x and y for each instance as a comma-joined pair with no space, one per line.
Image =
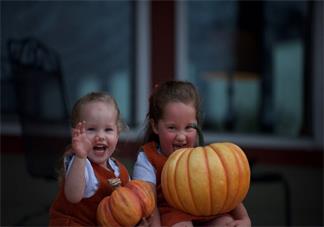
239,167
209,181
242,160
164,179
189,181
110,211
138,191
123,199
126,202
216,150
175,182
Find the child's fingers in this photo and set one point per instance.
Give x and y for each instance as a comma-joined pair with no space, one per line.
83,126
75,132
79,125
74,140
79,128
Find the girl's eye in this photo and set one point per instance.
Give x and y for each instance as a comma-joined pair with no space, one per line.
190,127
171,127
108,129
91,129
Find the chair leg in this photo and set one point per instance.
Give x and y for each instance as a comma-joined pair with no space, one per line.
288,201
277,178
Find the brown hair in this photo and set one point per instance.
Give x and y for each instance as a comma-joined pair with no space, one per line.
170,91
96,97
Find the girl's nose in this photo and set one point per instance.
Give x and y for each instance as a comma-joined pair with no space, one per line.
181,136
99,137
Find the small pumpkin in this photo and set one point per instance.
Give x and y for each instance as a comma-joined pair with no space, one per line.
127,205
207,180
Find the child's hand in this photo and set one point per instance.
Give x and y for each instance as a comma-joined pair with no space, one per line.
242,223
145,222
81,144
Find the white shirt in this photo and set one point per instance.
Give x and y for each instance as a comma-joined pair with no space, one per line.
91,180
143,169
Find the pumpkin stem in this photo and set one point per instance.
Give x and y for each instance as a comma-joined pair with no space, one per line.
201,141
114,182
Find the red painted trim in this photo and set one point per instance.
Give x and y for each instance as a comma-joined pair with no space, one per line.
162,41
11,144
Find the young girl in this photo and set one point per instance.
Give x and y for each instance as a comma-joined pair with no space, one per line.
173,120
96,124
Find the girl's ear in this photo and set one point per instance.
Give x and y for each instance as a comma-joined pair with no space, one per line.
154,126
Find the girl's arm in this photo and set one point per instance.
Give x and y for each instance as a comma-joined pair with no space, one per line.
155,218
75,178
143,170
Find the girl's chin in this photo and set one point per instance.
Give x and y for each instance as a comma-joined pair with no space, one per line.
100,153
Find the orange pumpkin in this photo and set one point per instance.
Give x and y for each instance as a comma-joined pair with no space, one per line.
127,205
207,180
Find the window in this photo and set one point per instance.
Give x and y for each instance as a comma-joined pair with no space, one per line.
249,62
96,44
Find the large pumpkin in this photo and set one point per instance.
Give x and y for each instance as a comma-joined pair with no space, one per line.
207,180
127,205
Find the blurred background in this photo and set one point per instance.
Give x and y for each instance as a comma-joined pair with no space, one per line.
258,66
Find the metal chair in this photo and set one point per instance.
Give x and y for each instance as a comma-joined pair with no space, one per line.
41,107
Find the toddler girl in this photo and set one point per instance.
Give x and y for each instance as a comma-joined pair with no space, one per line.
88,164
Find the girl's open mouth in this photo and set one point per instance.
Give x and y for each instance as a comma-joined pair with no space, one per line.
100,149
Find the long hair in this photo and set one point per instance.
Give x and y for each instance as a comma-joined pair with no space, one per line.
170,91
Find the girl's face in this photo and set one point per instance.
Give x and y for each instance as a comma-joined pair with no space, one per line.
101,130
175,129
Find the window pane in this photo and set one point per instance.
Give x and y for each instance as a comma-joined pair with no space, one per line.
93,38
248,61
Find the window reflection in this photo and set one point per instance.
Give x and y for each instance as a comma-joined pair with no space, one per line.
248,61
94,40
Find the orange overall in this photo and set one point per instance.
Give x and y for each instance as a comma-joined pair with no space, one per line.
83,213
169,215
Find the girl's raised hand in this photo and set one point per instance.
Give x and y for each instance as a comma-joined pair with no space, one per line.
81,144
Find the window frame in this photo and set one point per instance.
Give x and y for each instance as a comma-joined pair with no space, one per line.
142,66
259,140
10,125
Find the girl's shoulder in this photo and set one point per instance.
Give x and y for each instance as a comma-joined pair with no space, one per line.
116,165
